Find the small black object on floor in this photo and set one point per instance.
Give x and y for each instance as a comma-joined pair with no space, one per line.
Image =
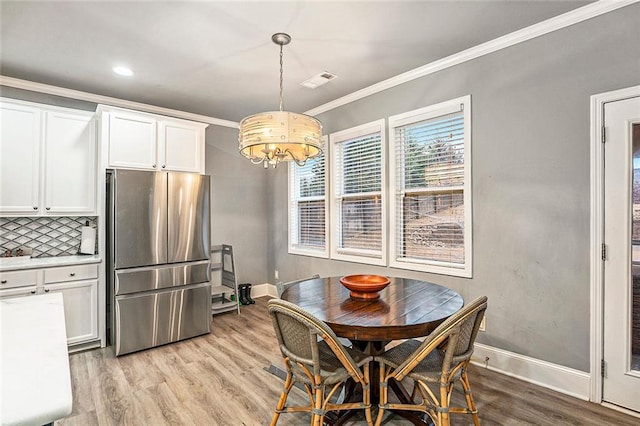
245,294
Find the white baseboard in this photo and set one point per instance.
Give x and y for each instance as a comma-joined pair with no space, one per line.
262,290
556,377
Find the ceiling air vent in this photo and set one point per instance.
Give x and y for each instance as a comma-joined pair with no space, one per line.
318,80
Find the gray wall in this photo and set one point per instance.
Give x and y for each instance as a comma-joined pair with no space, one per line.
530,164
238,204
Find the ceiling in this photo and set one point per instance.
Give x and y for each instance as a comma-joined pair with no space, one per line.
217,59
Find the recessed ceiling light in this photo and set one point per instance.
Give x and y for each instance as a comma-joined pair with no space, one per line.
120,70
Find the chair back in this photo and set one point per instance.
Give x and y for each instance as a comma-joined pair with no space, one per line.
454,338
299,336
281,287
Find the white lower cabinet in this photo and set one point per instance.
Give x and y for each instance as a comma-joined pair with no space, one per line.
80,309
78,285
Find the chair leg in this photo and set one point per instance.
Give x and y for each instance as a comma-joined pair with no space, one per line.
469,397
288,384
444,418
316,419
383,394
367,395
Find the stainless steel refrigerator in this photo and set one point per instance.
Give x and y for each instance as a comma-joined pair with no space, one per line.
158,258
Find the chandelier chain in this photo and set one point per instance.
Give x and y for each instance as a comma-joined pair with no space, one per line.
281,79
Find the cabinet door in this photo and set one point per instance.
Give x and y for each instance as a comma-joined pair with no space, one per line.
181,146
70,164
19,159
80,309
132,141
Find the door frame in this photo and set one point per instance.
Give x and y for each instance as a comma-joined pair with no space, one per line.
597,233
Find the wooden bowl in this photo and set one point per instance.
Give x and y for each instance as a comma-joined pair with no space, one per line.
364,286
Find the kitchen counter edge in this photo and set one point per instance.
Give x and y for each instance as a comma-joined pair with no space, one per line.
47,262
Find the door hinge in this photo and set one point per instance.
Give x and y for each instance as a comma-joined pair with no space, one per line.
604,251
603,368
604,134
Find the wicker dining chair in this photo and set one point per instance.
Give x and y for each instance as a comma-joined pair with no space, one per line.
281,287
314,358
440,361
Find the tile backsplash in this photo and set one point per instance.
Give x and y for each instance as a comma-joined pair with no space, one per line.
47,236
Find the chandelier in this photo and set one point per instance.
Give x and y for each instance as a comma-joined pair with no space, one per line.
275,136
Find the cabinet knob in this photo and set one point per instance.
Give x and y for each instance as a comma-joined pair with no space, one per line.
73,274
48,208
3,282
35,207
154,166
33,292
46,290
164,165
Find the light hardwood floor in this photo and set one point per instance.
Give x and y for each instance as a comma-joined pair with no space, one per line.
219,379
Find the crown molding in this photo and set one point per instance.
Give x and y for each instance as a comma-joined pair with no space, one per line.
107,100
545,27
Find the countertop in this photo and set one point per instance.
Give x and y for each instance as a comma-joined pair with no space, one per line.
16,263
34,361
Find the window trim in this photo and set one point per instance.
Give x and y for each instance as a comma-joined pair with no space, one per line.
354,255
420,114
308,251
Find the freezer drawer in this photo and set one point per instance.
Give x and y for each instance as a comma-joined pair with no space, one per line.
158,277
151,319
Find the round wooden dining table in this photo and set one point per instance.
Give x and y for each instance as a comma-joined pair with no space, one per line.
406,308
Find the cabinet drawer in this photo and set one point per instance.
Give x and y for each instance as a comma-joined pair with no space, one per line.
70,273
18,278
17,292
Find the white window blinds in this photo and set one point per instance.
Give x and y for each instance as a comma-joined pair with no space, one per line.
358,194
432,207
308,210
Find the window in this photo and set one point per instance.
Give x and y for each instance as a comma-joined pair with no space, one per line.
431,179
358,196
308,208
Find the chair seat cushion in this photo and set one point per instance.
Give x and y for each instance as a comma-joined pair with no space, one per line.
332,370
428,370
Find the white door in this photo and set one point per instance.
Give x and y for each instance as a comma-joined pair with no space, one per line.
621,384
19,159
70,164
181,147
132,141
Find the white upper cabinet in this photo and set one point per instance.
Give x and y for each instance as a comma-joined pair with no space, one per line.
70,164
19,158
137,140
47,160
180,146
132,141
